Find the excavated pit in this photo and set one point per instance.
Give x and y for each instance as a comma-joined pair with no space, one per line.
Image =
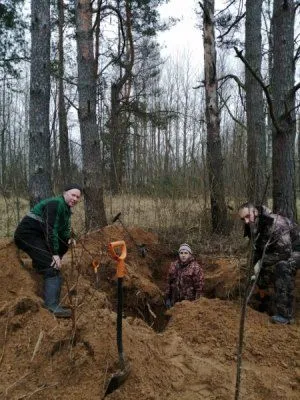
188,352
145,282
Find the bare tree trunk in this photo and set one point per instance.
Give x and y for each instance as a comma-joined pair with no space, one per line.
214,155
256,137
270,66
185,130
3,132
284,129
117,141
298,158
177,96
87,81
119,124
53,140
39,136
64,152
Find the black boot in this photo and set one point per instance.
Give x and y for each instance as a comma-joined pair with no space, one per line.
52,287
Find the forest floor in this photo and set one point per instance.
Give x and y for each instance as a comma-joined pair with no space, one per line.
186,353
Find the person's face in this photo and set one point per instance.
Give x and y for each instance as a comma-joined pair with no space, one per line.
248,215
184,256
72,197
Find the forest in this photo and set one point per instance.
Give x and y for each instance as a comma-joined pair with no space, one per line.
86,96
165,152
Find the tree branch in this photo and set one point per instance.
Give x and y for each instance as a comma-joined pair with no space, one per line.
248,292
235,22
265,89
240,84
297,53
232,116
295,88
204,9
116,11
71,103
234,77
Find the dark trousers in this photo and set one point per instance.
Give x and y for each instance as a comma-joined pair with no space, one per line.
30,237
284,285
282,276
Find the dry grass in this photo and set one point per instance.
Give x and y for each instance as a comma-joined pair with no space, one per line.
158,213
11,210
176,220
148,213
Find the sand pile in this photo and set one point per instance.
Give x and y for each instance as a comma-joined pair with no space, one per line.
192,357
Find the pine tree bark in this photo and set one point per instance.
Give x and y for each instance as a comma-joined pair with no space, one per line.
283,132
39,133
64,151
256,135
119,121
214,154
87,82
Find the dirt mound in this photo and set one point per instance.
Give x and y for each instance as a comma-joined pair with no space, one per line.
194,357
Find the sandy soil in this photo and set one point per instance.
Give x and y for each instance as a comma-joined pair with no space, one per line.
186,353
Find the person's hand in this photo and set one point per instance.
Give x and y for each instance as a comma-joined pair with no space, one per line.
257,267
168,303
72,242
56,262
256,270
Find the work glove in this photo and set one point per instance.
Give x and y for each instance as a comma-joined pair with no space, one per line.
256,270
168,303
56,262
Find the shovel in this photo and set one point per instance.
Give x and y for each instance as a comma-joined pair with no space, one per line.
95,265
118,378
142,250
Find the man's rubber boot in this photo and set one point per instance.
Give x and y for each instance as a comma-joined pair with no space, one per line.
279,319
52,286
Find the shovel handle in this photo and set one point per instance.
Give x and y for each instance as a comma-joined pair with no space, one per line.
95,265
121,269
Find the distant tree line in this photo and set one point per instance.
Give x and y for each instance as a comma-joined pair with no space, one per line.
85,96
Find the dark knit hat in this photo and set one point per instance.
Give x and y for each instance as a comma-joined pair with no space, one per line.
72,186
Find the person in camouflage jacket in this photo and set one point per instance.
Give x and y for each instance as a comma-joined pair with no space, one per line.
272,236
185,278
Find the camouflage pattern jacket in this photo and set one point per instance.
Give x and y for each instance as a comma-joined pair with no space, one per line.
185,281
274,232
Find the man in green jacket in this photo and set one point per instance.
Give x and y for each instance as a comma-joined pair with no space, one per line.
44,234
